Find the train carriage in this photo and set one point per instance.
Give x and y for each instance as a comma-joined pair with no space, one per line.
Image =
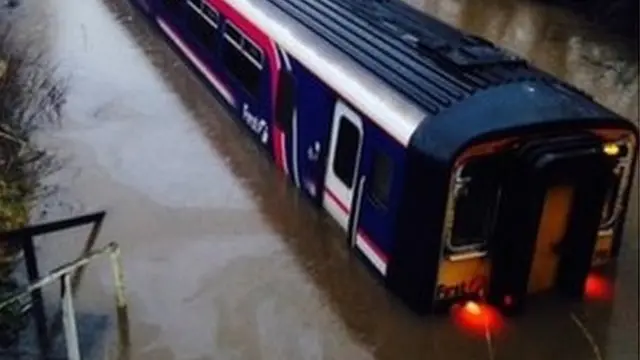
456,169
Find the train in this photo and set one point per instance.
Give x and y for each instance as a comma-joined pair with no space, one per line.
457,170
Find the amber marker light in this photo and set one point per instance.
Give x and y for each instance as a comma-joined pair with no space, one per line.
611,149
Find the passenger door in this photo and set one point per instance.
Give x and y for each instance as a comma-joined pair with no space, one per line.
302,118
345,149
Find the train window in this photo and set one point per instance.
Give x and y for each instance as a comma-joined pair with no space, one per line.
232,34
381,177
476,204
253,52
203,21
245,66
618,186
211,15
173,5
611,202
346,151
613,196
194,4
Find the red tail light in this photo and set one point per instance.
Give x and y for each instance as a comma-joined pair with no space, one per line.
477,318
598,287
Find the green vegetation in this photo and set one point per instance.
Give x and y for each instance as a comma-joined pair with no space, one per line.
30,97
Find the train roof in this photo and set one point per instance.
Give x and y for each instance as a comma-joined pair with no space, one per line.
370,94
396,64
426,60
525,107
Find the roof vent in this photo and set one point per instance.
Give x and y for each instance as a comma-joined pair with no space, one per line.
471,52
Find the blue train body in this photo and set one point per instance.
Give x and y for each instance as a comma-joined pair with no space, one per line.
378,127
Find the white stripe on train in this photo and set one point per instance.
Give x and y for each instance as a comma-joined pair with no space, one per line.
285,57
385,107
282,142
362,241
294,140
294,127
363,244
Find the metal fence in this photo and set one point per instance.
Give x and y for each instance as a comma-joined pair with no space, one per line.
69,276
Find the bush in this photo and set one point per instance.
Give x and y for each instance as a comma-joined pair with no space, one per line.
30,97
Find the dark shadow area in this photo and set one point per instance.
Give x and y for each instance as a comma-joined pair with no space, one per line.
619,17
92,331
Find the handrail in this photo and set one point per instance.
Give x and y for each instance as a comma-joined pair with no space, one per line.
49,227
24,238
62,273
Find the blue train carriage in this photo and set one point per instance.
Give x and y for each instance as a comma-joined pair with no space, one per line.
457,170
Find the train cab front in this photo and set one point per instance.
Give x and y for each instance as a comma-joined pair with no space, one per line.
530,207
533,214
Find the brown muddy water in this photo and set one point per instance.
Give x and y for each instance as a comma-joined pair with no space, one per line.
222,260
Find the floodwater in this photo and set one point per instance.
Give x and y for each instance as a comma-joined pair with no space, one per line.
222,260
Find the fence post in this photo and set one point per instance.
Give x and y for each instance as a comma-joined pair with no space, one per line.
121,303
69,320
36,296
25,237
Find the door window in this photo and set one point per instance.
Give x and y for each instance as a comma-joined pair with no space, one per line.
346,152
381,178
285,101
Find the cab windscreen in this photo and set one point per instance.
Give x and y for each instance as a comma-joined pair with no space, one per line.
476,197
619,182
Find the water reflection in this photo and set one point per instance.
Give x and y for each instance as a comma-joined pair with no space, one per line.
554,40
